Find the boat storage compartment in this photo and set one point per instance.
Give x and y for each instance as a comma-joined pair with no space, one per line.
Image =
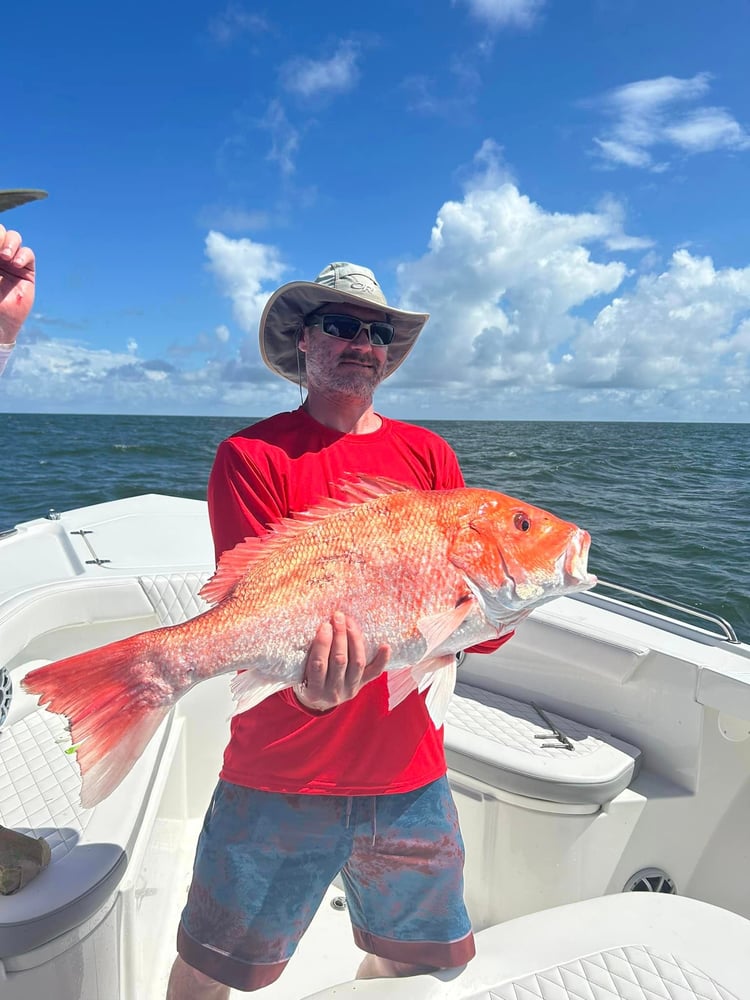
530,783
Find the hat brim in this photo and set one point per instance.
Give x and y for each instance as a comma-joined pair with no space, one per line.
285,310
19,196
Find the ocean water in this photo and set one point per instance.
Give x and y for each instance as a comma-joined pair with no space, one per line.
667,505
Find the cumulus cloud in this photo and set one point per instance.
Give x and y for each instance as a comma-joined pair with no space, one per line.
651,115
531,317
506,13
242,268
535,314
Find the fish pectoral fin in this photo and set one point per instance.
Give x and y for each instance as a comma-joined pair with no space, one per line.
249,689
418,677
437,628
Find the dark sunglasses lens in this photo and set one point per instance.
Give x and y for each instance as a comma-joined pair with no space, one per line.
343,327
381,334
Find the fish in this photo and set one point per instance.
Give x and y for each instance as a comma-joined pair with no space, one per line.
429,573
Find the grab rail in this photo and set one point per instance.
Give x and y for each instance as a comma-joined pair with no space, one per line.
727,632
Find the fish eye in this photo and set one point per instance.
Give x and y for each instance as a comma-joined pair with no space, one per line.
521,521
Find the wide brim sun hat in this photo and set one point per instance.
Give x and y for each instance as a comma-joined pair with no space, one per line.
339,284
19,196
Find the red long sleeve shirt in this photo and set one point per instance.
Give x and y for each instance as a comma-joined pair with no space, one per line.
278,467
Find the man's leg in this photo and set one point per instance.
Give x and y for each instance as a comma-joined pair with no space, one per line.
375,967
186,983
263,864
404,884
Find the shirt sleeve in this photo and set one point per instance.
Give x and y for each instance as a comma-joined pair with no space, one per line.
244,496
491,644
448,475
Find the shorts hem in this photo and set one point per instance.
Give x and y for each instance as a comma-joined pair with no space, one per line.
436,954
233,972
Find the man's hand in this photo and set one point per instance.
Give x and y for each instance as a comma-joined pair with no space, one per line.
17,274
336,669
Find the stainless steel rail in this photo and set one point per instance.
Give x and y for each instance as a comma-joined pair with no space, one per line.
725,629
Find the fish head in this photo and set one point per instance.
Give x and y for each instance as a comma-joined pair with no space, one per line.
515,556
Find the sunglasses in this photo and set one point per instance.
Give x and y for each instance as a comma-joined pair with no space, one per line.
380,334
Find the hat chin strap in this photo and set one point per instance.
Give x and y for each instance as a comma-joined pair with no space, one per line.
299,369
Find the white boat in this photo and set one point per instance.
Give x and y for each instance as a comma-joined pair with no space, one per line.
600,762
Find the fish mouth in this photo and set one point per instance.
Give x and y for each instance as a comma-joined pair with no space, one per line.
573,563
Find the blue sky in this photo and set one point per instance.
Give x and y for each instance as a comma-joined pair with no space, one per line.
562,184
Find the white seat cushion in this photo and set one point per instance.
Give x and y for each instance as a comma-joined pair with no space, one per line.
632,946
508,744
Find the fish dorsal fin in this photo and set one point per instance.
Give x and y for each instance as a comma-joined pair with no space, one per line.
363,488
235,563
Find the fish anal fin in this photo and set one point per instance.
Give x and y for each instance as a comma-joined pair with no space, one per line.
250,689
401,683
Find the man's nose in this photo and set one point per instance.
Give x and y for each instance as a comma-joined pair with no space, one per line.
362,339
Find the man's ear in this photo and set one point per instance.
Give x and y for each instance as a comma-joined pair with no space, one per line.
302,340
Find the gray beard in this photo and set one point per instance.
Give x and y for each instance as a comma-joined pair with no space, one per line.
353,383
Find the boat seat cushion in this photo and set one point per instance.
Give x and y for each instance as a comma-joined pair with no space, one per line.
632,946
174,596
509,745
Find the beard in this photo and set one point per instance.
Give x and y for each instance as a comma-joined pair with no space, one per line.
328,371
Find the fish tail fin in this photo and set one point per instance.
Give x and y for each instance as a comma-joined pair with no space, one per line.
113,701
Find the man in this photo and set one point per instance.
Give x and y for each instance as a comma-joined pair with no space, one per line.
17,275
324,778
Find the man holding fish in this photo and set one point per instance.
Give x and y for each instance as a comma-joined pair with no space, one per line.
322,777
352,565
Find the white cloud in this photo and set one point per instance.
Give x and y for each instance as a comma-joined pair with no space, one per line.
233,22
508,285
455,92
647,116
679,330
284,136
707,129
317,78
503,13
242,268
535,314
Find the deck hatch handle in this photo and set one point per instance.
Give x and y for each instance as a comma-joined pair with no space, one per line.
96,561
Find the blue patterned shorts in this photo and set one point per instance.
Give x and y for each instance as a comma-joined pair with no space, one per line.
264,862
